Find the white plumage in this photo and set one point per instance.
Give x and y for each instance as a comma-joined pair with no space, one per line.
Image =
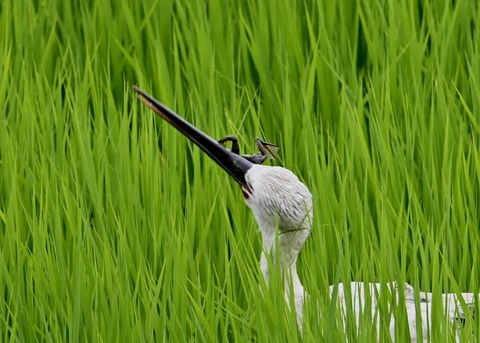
360,292
283,205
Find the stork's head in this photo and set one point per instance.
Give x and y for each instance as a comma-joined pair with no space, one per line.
278,199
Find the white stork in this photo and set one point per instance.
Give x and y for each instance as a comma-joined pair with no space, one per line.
282,206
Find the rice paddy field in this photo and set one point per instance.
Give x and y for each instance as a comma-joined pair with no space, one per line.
115,228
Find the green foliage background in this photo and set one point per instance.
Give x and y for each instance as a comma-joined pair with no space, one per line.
114,228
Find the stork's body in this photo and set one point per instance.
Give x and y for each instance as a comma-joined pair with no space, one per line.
282,206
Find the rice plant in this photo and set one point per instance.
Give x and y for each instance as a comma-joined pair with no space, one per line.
114,228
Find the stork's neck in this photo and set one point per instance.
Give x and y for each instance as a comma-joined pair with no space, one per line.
282,206
283,247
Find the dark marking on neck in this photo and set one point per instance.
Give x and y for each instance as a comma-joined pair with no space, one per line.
246,191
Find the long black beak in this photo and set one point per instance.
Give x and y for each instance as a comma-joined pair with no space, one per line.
233,164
